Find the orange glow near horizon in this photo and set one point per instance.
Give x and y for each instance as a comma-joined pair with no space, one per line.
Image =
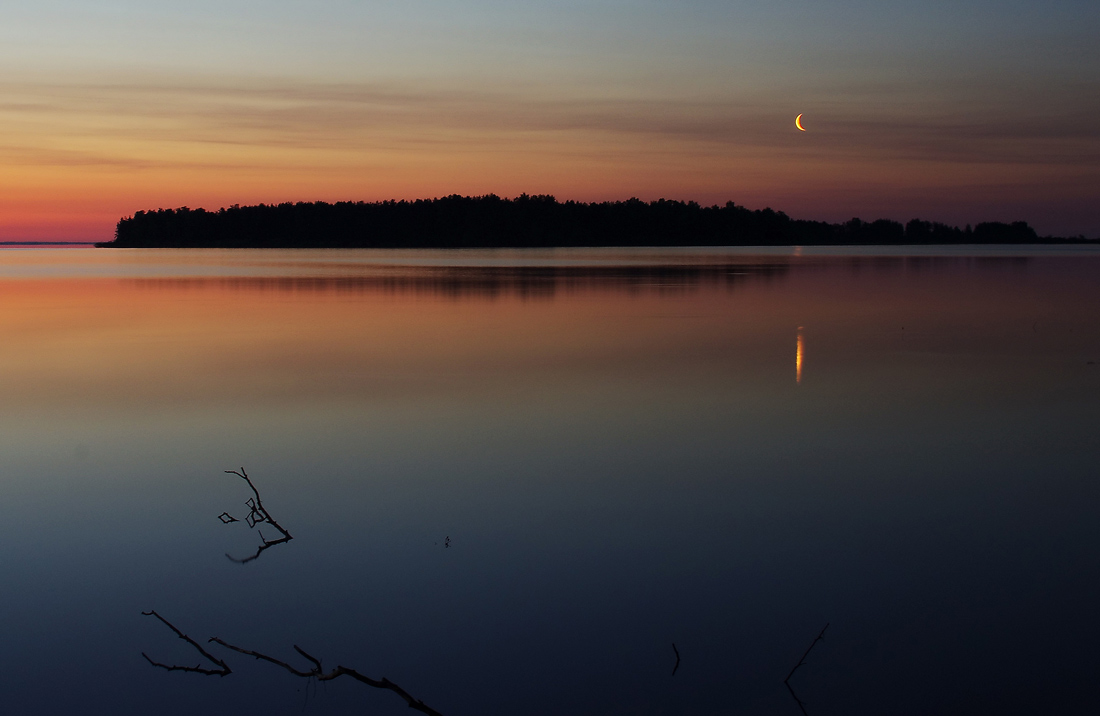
75,159
86,202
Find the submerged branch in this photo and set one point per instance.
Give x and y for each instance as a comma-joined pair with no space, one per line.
316,672
222,670
802,662
257,514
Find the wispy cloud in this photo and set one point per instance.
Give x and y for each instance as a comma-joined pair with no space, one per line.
145,124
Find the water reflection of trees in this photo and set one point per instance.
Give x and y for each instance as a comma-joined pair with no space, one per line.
493,282
935,264
548,281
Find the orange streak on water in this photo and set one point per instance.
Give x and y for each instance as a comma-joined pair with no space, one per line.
798,357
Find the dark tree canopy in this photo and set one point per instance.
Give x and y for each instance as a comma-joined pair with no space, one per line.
526,221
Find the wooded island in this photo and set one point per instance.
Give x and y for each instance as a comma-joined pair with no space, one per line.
529,222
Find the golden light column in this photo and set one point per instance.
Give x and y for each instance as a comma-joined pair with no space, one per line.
798,357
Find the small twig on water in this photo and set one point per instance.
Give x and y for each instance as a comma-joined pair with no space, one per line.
316,672
677,658
256,515
802,662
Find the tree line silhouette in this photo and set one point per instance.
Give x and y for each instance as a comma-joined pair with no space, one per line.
529,222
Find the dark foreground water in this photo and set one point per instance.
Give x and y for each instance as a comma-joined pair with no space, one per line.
626,449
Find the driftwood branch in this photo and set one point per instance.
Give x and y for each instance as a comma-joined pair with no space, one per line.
257,514
315,672
222,670
802,662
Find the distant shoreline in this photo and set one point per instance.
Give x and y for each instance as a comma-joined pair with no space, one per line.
533,222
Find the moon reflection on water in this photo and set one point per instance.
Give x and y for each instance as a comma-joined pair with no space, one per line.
798,357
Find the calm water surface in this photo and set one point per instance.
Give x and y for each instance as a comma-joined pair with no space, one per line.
721,449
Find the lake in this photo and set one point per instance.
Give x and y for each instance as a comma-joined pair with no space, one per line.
515,479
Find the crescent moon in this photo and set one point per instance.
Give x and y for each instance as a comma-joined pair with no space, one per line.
798,123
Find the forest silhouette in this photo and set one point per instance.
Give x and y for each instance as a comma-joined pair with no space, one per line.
529,222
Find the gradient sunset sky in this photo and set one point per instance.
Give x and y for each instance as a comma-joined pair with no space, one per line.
958,111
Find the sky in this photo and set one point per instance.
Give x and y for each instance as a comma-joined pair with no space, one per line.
959,111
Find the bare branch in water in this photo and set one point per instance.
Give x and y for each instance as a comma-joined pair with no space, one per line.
222,670
318,673
802,662
257,514
315,672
